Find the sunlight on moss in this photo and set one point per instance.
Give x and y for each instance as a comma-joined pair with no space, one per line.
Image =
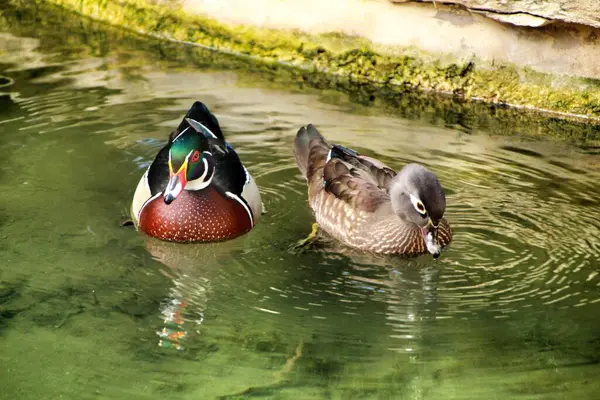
357,59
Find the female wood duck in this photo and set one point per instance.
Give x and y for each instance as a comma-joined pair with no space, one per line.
197,189
367,205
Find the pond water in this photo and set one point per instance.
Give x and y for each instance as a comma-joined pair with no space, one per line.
92,310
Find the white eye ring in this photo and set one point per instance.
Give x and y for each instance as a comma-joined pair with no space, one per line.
418,205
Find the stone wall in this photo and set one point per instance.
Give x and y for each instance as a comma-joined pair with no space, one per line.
532,12
410,46
448,33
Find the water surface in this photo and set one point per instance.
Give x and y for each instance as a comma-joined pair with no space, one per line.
92,310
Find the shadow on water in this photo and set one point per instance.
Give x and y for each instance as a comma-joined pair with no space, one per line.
92,310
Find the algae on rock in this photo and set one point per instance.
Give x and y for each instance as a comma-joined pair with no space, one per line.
135,51
355,58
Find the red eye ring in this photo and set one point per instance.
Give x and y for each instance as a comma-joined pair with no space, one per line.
195,156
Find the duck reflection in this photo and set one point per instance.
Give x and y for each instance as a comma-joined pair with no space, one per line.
412,303
409,288
191,268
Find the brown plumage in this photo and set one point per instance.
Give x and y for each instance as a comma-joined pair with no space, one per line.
367,205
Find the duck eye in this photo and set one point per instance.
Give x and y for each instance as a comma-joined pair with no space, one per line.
418,204
195,156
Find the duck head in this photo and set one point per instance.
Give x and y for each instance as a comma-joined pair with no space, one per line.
417,197
192,159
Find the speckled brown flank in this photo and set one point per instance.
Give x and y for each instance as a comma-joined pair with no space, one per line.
350,197
205,216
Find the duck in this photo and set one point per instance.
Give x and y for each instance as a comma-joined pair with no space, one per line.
367,205
197,189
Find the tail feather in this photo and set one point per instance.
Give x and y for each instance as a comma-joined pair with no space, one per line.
202,114
310,150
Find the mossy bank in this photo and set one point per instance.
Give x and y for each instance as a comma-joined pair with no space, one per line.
27,19
354,58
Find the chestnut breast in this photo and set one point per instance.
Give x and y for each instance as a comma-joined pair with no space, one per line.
203,216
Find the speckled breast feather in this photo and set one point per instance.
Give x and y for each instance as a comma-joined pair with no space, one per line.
204,216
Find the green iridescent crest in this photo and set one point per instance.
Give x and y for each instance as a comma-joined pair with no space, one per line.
182,146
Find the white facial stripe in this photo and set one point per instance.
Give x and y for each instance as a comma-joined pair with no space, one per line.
201,126
202,182
190,154
177,137
416,202
146,202
233,196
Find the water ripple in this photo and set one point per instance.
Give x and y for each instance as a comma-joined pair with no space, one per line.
95,300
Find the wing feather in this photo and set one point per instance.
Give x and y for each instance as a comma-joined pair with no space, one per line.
365,168
348,184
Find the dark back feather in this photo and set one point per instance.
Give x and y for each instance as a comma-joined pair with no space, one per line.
230,174
202,114
380,173
158,173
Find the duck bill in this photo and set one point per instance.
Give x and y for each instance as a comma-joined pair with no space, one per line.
176,184
430,234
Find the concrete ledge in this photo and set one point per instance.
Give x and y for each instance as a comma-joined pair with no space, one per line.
343,53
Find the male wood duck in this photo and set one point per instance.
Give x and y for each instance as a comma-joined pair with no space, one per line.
366,205
197,189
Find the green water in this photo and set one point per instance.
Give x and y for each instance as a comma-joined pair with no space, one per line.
510,311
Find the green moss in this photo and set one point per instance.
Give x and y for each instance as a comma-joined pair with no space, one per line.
128,51
354,58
